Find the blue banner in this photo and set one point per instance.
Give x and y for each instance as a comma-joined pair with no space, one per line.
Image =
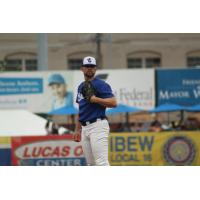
5,156
53,162
13,86
178,86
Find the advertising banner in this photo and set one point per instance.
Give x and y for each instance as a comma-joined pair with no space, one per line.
45,92
5,151
133,87
178,86
165,148
47,151
39,92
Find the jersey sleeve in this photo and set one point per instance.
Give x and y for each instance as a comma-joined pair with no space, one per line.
77,94
105,91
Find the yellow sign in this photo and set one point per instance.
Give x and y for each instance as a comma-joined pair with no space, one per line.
165,148
5,142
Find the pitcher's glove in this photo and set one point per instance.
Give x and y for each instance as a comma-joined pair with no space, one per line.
88,90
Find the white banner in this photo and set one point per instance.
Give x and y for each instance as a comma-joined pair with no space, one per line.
133,87
39,92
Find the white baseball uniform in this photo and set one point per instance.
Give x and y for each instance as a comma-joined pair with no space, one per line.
95,142
95,127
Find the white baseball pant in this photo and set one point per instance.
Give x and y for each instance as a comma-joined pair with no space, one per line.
95,142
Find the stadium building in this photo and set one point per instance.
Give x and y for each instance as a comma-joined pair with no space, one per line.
18,51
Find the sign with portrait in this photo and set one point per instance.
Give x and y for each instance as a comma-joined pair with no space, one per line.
39,92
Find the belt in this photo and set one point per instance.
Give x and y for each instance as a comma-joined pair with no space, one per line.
92,121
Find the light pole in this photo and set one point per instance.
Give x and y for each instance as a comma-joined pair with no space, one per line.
98,40
42,39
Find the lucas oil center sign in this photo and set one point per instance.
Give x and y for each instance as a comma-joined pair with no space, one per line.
46,151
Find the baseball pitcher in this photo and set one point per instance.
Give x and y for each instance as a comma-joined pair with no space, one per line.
92,127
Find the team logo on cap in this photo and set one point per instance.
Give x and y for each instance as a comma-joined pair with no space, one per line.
89,60
179,150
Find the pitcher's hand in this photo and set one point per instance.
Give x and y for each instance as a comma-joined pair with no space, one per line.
77,137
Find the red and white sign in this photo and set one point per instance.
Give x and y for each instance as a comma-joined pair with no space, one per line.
46,150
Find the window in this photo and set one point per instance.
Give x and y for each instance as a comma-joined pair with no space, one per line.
152,62
144,59
134,63
20,62
193,58
13,65
193,61
74,63
31,64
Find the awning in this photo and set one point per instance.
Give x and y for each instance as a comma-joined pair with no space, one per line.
121,108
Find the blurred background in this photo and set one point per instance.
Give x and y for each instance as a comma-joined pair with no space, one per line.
20,52
156,78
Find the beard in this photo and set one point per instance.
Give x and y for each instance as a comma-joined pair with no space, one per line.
89,74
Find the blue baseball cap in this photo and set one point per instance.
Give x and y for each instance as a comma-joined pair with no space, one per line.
56,78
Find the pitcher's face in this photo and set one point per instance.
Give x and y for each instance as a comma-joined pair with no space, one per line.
89,72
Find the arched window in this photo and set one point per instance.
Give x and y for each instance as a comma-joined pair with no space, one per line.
193,58
20,61
74,60
143,59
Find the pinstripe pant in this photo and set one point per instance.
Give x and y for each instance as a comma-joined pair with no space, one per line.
95,142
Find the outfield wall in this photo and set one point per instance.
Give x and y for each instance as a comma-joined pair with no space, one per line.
127,149
165,148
